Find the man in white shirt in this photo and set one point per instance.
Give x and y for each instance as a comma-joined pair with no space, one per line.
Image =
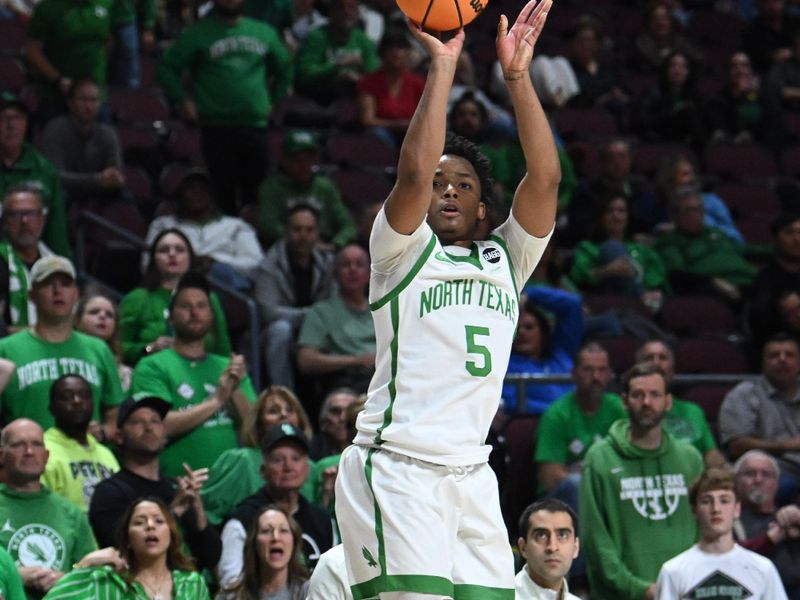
716,567
548,540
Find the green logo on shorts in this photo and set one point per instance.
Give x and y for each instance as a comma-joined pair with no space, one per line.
368,557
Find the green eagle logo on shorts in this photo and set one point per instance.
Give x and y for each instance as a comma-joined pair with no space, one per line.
368,557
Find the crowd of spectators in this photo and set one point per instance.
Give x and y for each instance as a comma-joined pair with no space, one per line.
270,145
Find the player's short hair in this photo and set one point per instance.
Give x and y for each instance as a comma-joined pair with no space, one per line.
463,148
642,370
548,505
710,480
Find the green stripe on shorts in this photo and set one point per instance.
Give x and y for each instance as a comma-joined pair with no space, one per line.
420,584
464,591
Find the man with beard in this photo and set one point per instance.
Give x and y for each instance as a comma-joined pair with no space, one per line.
574,422
209,394
78,462
140,439
238,68
634,502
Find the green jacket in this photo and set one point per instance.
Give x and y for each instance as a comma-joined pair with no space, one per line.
237,70
651,273
316,68
709,254
634,511
33,167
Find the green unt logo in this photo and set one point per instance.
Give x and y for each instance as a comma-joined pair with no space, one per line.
368,557
37,545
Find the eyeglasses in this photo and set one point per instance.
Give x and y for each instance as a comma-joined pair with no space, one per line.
18,215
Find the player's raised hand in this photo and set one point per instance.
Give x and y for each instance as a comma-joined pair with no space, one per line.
515,45
435,47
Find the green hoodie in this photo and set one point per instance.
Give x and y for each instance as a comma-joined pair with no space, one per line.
634,511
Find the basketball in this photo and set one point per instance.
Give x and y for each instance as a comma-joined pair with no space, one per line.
442,15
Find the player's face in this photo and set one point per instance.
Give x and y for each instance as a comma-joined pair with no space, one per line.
285,468
456,205
658,354
715,512
171,256
277,410
528,340
55,297
647,400
23,219
757,481
275,543
549,548
191,314
99,318
24,454
143,432
592,373
781,363
72,402
148,531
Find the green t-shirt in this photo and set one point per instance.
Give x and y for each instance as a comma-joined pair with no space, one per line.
183,383
10,581
565,432
33,168
143,12
40,363
235,476
102,583
333,328
316,59
686,421
74,470
143,318
42,529
237,71
75,35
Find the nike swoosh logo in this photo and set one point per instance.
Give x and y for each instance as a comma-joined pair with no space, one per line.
443,257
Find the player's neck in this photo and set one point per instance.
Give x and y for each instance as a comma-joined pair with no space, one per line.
717,545
646,438
548,585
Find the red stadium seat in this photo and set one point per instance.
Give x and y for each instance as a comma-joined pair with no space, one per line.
740,162
709,356
698,315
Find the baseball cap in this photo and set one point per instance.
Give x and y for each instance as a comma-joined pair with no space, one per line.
141,400
299,140
280,433
11,100
190,279
50,265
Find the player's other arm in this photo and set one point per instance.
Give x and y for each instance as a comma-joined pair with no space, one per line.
534,204
408,202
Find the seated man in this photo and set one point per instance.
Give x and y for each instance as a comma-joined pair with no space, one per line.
548,541
716,562
296,272
333,435
44,533
285,469
701,259
225,248
86,152
337,339
761,414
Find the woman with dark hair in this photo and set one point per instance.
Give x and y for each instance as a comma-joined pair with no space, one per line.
273,568
96,314
148,563
614,264
143,311
540,347
236,474
673,110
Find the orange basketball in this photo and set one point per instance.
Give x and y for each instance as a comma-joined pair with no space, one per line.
442,15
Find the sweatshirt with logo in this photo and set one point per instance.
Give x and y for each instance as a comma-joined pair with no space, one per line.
634,511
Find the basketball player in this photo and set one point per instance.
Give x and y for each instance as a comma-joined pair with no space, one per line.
416,501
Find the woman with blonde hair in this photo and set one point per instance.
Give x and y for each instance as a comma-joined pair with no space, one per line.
236,474
97,315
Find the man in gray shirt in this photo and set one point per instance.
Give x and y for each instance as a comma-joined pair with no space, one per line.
764,413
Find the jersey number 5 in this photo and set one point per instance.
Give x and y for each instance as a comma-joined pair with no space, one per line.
473,347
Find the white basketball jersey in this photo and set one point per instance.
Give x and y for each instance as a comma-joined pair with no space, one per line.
445,319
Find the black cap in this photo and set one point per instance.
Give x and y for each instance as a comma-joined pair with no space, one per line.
783,220
279,433
141,400
190,279
11,100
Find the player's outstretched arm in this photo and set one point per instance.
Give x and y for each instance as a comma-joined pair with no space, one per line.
408,202
535,199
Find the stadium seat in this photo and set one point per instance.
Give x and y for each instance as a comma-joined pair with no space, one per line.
360,150
12,73
137,106
520,487
696,355
709,397
648,156
749,201
740,162
361,187
621,351
790,162
600,303
171,177
698,315
184,144
584,123
12,36
138,183
754,231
